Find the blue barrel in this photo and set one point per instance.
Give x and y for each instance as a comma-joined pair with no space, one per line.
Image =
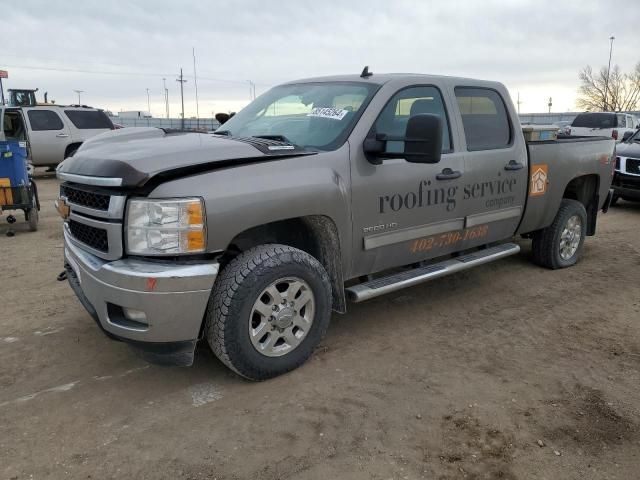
13,163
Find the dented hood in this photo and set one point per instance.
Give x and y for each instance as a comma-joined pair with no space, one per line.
136,155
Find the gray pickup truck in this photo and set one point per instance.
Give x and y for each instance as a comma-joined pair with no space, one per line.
319,191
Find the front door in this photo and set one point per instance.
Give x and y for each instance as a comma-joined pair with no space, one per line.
48,136
496,168
406,212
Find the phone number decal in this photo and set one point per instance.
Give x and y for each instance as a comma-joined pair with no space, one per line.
450,238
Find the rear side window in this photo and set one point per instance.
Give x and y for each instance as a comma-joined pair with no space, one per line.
484,118
411,101
88,119
44,120
595,120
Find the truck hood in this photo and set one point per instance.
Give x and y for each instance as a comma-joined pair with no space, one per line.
137,155
628,149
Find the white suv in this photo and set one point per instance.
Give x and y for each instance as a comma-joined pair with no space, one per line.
603,124
55,131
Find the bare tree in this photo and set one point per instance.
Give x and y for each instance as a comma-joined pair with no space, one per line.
620,92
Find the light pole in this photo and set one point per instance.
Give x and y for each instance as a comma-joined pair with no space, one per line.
148,103
606,84
79,92
550,104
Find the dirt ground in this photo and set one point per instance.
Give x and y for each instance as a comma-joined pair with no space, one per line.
507,371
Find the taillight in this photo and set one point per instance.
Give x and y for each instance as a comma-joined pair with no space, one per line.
614,134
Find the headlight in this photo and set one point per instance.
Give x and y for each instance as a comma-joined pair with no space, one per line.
165,227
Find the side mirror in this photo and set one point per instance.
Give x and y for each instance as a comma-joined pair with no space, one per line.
423,139
627,136
422,142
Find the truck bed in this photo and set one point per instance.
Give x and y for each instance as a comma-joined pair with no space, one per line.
559,162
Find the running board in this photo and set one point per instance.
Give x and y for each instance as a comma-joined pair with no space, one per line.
398,281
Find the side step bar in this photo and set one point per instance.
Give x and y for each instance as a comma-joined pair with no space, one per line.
398,281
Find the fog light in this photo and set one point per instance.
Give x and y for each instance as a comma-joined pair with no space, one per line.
134,315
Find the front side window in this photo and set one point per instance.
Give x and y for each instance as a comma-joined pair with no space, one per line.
484,118
44,120
393,119
310,115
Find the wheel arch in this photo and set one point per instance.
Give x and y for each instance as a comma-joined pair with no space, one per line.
315,234
71,148
585,190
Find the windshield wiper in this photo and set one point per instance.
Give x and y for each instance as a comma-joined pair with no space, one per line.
226,133
277,138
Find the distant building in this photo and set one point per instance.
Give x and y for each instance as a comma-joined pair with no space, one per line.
134,114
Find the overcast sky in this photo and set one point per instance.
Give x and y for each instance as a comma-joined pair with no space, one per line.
115,50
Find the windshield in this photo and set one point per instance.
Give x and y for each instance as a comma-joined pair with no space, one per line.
595,120
310,115
635,137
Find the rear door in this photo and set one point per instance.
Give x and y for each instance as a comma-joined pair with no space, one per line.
48,135
87,123
496,170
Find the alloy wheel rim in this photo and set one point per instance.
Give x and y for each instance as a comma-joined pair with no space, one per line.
281,316
570,237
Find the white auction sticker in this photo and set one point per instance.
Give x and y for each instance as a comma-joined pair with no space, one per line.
328,112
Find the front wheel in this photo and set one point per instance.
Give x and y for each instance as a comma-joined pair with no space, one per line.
269,309
560,244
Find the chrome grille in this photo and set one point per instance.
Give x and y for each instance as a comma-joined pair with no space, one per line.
85,198
633,166
93,237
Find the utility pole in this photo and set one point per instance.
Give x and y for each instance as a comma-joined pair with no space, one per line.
148,103
166,96
518,103
79,92
252,90
182,82
606,84
550,103
195,83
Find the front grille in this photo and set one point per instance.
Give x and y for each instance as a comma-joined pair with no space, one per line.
84,198
633,166
93,237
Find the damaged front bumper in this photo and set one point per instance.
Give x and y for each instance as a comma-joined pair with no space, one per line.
157,307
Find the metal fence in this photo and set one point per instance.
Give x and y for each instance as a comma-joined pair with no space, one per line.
189,123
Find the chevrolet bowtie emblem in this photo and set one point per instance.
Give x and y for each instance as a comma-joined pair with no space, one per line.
63,208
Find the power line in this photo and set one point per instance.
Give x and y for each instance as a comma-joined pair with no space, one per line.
142,74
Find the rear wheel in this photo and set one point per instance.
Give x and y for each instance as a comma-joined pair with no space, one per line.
560,244
269,309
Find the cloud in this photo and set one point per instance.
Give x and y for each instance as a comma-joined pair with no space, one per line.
115,50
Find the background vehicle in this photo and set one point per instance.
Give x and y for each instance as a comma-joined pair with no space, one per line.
318,191
626,181
603,124
56,131
564,127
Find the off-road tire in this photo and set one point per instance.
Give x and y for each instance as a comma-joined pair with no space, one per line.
237,288
546,242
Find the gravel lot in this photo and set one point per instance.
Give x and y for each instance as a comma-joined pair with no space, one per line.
507,371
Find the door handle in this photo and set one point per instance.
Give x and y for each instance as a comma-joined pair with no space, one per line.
448,174
513,165
62,135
